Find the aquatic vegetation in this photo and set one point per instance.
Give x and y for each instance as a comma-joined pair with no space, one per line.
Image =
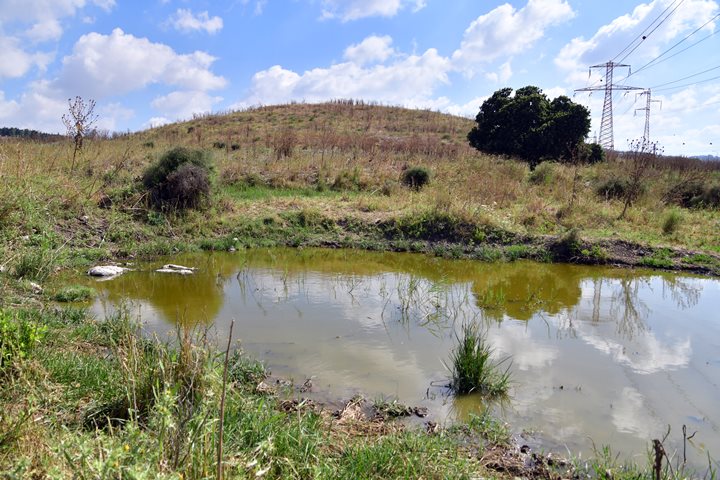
473,367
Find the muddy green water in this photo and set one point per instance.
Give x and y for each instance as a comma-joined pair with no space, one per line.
599,355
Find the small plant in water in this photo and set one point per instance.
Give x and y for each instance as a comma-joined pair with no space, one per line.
473,368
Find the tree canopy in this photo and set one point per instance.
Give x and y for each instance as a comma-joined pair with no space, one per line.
529,125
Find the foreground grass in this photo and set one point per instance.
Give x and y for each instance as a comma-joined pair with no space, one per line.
92,398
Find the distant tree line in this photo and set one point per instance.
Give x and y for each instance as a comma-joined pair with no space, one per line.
27,133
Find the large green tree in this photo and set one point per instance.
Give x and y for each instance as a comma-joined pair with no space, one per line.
530,126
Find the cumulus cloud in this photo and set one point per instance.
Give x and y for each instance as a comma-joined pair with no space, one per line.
407,80
31,11
506,31
372,49
16,61
185,21
44,31
502,75
348,10
108,65
610,39
182,104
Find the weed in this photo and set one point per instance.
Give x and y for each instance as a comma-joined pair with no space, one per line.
490,428
74,293
18,337
671,222
543,174
661,258
596,254
472,366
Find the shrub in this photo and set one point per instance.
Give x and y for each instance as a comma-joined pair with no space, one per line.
543,174
180,179
18,337
416,177
594,153
473,369
694,194
612,188
671,222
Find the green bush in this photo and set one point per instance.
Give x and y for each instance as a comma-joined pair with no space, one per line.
671,222
416,177
612,188
18,337
180,179
694,195
543,174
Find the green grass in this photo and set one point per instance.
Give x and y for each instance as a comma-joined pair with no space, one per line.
74,293
473,368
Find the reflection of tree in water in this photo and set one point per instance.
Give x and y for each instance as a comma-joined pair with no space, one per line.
522,291
626,307
682,291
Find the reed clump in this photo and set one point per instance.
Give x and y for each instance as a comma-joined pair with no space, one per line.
473,368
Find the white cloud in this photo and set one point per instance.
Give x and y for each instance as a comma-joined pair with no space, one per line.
156,122
502,75
44,31
408,80
182,104
16,62
31,11
112,116
36,109
185,21
506,31
610,39
372,49
348,10
108,65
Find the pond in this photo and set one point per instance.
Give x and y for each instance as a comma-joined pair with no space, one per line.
600,356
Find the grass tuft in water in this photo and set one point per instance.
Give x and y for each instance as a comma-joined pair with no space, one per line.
473,368
74,293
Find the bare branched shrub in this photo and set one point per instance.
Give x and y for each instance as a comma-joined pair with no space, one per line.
284,143
79,122
640,164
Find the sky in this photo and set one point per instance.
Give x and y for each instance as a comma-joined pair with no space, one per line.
147,63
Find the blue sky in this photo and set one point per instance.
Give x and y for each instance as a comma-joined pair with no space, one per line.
155,61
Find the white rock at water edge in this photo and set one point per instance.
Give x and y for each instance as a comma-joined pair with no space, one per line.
106,271
178,269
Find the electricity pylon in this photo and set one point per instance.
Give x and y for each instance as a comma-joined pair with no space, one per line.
607,140
646,109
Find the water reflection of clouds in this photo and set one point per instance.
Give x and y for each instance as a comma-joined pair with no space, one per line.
630,414
516,339
645,355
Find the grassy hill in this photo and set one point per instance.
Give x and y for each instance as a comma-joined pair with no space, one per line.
331,174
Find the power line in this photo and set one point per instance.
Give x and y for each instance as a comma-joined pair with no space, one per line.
655,61
685,78
687,84
644,37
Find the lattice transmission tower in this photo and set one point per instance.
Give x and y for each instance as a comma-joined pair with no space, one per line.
606,126
649,101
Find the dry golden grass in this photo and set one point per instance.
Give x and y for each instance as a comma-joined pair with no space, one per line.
359,152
